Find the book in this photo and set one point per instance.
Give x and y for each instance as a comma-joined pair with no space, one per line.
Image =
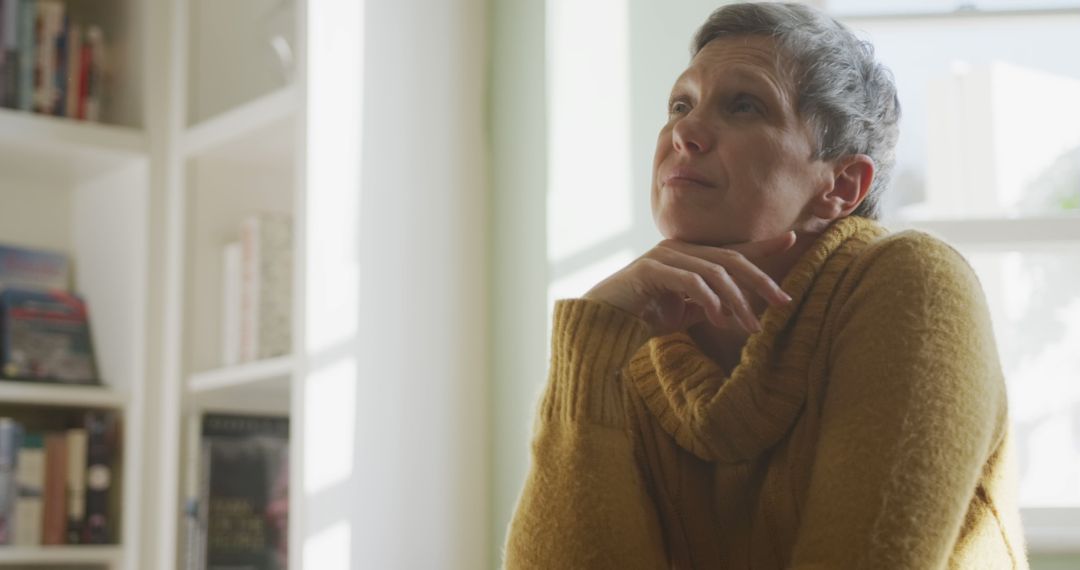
48,28
45,336
25,84
31,481
74,69
76,483
231,277
266,286
54,501
9,52
243,502
94,55
103,436
27,268
10,442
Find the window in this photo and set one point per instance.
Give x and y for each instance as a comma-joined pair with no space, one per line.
989,159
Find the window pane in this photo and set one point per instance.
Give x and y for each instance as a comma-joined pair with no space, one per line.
990,123
1035,306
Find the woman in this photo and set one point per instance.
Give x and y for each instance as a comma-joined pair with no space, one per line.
698,415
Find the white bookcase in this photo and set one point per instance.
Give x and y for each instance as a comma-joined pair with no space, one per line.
83,189
205,126
198,132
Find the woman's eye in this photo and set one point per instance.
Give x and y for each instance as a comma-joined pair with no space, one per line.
744,105
678,108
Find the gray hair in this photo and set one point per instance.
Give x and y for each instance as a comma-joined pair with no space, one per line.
848,98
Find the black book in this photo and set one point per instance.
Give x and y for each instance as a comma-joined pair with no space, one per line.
102,443
244,492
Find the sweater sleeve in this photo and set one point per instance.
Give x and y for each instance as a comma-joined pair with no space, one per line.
584,503
914,398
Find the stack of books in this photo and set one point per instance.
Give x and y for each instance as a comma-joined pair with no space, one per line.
44,328
55,486
257,290
52,60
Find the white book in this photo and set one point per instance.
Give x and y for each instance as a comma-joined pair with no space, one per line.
231,313
76,481
51,13
31,480
266,286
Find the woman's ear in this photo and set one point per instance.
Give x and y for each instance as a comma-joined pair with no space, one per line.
851,179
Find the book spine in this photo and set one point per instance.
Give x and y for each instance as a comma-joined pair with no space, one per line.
194,535
274,333
10,441
76,484
249,300
5,60
86,55
59,100
54,507
52,17
231,311
9,55
74,67
31,481
103,438
95,79
27,19
40,55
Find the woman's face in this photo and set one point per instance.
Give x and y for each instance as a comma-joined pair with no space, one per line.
734,162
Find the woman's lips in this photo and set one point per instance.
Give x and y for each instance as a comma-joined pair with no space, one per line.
683,177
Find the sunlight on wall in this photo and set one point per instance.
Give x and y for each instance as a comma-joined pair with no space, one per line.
329,549
330,422
589,113
335,100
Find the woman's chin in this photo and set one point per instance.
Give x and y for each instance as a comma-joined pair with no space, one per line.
695,236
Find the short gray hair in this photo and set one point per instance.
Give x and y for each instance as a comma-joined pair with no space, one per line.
848,97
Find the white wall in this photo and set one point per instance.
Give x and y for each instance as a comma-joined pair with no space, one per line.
393,400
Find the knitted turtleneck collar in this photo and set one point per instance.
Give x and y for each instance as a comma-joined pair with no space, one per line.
733,419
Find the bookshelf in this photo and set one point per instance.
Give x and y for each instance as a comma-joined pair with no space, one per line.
205,125
109,556
13,392
83,188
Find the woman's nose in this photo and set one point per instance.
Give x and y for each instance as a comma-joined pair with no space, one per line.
690,135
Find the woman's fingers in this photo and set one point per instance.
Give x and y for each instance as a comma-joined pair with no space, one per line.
717,279
741,268
687,284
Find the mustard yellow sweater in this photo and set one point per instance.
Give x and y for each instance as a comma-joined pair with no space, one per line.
866,426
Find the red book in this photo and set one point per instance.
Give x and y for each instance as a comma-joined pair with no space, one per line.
54,503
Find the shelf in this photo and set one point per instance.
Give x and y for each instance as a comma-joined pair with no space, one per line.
41,147
1000,231
242,123
109,555
17,392
260,387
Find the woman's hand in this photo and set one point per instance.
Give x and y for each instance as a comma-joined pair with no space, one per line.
676,285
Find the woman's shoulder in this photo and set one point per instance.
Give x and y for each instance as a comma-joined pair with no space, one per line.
912,253
909,265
